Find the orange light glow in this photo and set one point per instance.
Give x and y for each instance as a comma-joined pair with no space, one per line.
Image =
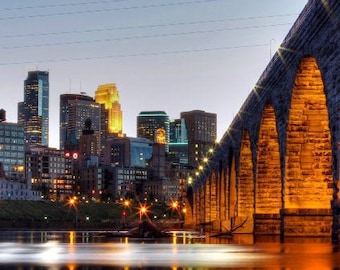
143,211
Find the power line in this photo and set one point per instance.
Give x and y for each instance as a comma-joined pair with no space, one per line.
135,55
140,26
62,5
141,37
106,10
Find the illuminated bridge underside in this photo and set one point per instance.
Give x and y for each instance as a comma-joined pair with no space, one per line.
276,168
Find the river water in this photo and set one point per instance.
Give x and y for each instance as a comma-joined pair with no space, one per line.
70,250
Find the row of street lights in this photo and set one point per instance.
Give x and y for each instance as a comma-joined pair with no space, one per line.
143,209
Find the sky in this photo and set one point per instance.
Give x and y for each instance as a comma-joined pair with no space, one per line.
169,55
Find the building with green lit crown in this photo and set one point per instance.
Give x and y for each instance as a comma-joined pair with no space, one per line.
151,123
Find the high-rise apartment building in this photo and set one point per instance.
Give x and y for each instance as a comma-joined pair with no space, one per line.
33,112
153,126
108,95
75,109
201,131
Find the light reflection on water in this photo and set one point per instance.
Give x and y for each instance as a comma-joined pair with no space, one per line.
181,251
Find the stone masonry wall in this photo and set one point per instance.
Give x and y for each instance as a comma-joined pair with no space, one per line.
308,168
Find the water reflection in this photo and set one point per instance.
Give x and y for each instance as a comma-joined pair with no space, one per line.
181,251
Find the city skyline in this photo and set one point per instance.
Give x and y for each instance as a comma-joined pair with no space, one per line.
172,56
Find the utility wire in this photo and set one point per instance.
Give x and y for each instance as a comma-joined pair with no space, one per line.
106,10
135,55
139,27
139,37
63,5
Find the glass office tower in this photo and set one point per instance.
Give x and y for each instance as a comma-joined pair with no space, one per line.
149,123
178,145
201,133
33,112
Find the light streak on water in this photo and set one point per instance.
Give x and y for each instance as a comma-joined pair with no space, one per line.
132,254
180,251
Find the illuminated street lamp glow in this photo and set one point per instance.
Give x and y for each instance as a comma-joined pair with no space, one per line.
175,207
143,211
190,180
72,202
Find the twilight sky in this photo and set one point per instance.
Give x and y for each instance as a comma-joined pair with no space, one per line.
170,55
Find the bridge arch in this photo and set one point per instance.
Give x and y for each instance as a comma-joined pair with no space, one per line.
308,170
268,174
292,119
245,186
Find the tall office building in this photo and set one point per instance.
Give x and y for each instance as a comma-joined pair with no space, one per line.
153,126
108,95
201,131
178,144
33,111
75,109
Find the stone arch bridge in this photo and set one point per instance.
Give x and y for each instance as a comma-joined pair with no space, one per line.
276,167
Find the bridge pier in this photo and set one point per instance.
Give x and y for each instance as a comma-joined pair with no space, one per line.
278,162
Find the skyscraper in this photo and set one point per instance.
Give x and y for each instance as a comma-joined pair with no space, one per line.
108,95
33,111
178,144
75,109
153,126
201,132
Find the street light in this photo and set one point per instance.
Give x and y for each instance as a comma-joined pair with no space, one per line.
126,209
143,210
73,203
174,206
126,203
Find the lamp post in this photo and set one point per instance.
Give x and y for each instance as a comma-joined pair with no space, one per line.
125,211
174,206
142,212
73,203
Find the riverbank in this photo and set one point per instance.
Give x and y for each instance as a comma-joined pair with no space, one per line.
28,215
